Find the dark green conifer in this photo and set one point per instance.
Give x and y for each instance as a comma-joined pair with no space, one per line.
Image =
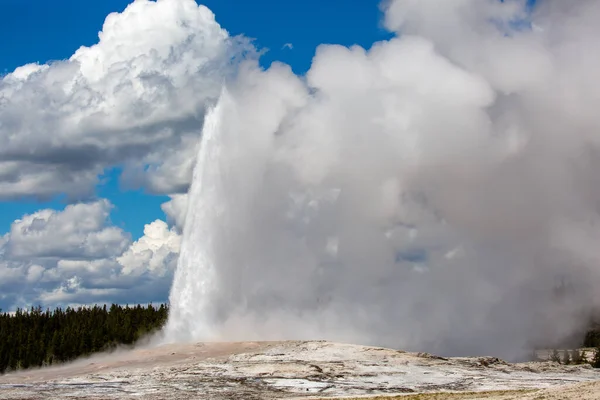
34,337
577,357
596,359
555,356
566,357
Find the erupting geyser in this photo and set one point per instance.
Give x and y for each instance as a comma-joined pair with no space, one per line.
423,194
196,262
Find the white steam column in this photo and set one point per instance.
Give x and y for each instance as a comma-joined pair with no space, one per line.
195,272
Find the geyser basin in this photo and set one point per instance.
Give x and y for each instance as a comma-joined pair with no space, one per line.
293,370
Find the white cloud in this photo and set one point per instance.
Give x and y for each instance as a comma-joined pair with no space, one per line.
155,252
136,98
288,46
80,231
76,256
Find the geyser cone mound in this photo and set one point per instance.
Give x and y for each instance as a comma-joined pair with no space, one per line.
280,370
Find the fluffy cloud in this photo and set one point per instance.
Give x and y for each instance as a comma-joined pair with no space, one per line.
427,193
80,231
136,98
76,256
155,252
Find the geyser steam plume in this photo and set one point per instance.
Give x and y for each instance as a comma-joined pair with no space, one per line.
428,193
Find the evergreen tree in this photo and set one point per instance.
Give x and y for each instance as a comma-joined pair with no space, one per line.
596,360
555,356
31,338
577,357
566,357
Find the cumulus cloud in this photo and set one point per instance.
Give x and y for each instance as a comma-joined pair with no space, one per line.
427,193
80,231
155,252
136,98
75,256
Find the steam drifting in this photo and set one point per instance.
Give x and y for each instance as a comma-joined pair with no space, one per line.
427,193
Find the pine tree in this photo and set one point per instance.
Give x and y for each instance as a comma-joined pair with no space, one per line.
596,360
577,357
566,357
555,356
34,338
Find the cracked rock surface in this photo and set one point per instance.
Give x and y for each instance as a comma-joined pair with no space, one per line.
279,370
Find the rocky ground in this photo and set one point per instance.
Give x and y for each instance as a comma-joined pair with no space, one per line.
280,370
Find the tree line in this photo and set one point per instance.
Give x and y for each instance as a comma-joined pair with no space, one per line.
36,337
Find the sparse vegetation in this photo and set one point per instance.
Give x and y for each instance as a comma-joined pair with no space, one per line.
555,356
566,360
577,357
596,359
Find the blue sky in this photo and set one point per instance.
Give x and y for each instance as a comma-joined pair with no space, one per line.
40,31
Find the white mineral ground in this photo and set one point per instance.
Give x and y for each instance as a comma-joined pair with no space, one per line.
296,369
